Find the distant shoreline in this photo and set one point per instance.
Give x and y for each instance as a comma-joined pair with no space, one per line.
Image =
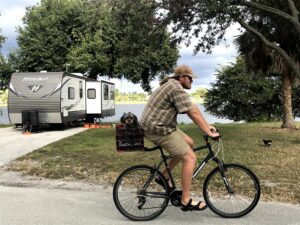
130,103
144,102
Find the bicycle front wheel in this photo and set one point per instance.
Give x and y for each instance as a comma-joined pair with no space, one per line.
136,194
234,195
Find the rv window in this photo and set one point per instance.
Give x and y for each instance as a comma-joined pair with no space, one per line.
71,93
105,86
80,89
112,95
91,93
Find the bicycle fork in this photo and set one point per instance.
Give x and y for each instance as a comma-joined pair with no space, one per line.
224,178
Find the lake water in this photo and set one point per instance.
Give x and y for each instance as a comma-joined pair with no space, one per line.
3,115
137,109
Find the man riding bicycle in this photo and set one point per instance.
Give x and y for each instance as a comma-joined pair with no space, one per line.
160,126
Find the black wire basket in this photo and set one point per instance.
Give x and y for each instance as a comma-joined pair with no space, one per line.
129,138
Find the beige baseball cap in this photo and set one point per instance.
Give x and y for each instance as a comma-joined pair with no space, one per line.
184,70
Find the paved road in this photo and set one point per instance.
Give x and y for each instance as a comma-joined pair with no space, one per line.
94,206
35,201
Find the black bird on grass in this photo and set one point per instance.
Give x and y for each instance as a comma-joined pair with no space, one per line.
267,142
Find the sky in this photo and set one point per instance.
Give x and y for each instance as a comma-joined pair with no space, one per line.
204,65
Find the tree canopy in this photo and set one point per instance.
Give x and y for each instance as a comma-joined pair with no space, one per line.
5,71
2,38
111,38
208,21
241,95
5,67
46,36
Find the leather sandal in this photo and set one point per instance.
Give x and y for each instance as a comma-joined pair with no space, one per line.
190,207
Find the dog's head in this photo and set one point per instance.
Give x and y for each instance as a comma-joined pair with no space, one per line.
129,119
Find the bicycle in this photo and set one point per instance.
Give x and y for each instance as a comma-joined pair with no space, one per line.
230,190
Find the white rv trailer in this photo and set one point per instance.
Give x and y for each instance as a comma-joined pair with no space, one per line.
57,98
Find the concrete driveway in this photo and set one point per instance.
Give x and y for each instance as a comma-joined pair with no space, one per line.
15,144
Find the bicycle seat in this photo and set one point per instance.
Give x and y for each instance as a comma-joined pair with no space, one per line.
152,149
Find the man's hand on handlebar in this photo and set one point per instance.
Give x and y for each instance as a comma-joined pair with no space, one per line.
214,134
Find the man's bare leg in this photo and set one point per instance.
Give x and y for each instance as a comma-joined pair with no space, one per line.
189,160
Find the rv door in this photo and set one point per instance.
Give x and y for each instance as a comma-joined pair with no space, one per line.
93,102
108,97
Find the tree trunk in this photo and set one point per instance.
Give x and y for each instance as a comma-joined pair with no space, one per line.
288,119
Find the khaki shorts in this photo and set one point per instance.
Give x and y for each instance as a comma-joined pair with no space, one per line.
174,142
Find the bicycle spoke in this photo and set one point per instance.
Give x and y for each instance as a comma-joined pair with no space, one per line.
133,200
243,195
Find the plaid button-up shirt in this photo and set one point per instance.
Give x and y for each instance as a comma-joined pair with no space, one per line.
160,113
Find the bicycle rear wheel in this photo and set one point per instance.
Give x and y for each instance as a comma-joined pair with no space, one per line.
136,194
238,198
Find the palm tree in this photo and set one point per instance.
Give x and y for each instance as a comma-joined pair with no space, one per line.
260,57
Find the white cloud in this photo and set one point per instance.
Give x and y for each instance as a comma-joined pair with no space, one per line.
205,65
11,14
11,18
7,4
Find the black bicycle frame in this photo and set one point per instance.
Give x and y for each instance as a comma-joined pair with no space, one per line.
211,155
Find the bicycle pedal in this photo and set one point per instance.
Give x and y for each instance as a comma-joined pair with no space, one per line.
175,198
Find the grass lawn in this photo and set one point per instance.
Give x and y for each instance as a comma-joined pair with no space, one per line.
5,125
91,156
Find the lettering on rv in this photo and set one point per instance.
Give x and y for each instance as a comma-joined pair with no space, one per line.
25,79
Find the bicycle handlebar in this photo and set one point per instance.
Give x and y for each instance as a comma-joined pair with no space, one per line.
206,137
213,138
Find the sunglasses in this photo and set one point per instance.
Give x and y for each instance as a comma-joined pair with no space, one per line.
191,79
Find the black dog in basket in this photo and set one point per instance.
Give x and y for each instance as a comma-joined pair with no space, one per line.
130,134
